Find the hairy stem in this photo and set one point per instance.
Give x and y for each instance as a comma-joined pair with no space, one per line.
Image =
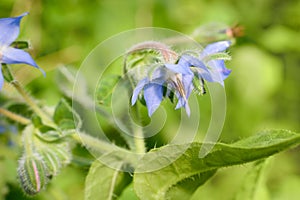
93,143
139,140
103,147
46,119
15,117
27,140
139,135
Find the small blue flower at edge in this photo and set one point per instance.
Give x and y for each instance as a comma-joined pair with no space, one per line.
10,29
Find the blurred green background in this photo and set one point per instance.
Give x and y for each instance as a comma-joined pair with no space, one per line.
262,91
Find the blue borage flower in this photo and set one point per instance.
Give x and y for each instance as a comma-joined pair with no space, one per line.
10,29
179,77
162,78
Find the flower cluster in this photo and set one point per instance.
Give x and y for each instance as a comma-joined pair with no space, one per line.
10,28
179,78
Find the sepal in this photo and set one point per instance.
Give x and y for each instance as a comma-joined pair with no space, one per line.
20,45
7,73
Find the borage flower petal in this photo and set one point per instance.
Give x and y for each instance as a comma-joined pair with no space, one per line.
200,66
10,28
218,70
15,56
153,94
187,83
182,67
153,90
215,48
178,78
216,67
1,77
138,89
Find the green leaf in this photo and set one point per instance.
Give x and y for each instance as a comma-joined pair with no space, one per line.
186,188
106,183
65,117
66,78
105,89
44,132
254,187
165,168
128,194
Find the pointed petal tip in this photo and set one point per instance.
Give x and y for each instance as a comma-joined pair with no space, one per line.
216,47
228,71
1,79
188,113
151,111
228,42
133,100
43,72
225,73
221,83
188,110
24,14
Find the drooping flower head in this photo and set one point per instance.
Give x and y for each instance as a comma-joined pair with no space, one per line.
10,29
179,78
161,79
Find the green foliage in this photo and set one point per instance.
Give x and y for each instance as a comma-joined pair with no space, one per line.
104,182
42,159
263,90
254,187
106,88
44,132
65,117
185,161
186,188
128,193
66,78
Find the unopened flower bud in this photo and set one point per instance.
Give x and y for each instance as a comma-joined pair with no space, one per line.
32,174
52,162
63,153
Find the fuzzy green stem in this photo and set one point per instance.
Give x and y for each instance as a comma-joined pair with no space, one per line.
93,143
27,140
102,147
139,135
15,117
46,119
139,140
